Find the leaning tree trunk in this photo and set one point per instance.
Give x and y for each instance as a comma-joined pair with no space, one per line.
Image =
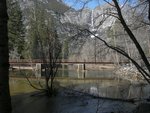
5,100
132,37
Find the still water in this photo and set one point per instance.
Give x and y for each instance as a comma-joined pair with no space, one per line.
86,73
102,83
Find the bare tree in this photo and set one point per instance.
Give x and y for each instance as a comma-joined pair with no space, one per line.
117,13
48,46
133,38
50,55
50,50
119,16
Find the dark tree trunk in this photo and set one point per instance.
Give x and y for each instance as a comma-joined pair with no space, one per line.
149,9
5,100
48,93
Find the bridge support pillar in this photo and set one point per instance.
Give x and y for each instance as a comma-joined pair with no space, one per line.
38,70
78,68
83,68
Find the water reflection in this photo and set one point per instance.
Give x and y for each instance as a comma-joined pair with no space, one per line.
19,86
86,73
114,89
74,71
95,84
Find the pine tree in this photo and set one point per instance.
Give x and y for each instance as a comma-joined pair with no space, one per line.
16,30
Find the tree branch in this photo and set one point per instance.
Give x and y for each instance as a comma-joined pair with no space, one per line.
131,35
141,70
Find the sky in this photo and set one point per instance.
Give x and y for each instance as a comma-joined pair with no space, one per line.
78,4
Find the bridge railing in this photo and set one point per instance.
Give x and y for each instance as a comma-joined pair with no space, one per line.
31,60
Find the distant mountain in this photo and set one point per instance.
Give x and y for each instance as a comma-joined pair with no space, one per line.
95,20
86,17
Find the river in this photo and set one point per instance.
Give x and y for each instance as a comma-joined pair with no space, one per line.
102,83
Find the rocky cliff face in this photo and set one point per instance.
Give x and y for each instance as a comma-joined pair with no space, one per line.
96,20
81,17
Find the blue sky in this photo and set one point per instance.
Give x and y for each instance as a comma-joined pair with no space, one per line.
78,4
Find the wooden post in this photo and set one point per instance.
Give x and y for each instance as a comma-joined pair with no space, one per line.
78,68
84,67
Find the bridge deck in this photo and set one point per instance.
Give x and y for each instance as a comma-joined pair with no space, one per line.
25,61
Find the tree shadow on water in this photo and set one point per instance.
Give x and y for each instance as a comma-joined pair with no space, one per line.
27,103
62,103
